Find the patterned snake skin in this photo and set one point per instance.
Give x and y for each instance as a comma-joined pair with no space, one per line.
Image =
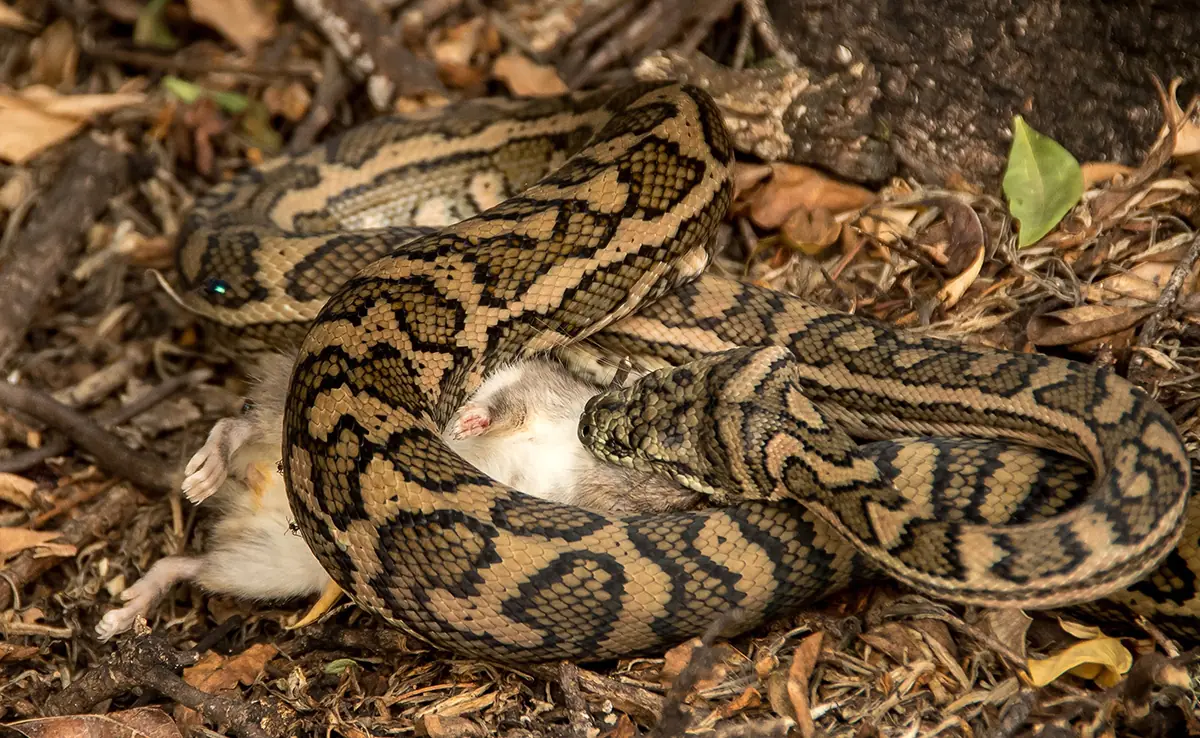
610,244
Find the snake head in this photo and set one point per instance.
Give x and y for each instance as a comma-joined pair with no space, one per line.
604,427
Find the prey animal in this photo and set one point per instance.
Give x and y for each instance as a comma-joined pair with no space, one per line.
520,427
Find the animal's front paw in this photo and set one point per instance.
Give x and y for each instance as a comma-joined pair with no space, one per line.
209,468
471,421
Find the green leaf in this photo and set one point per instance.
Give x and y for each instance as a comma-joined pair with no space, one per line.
1043,182
190,92
337,666
150,29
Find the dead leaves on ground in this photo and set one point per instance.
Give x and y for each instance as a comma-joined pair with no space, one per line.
247,23
41,542
11,18
524,77
36,118
769,194
215,673
140,722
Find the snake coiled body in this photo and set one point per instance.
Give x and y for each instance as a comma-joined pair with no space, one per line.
609,245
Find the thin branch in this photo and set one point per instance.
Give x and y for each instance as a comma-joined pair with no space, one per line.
146,660
143,469
59,445
40,256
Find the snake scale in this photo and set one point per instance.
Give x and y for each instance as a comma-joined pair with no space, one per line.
411,256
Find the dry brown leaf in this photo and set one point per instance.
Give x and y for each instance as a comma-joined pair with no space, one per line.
26,131
247,23
1080,326
624,728
746,177
1009,626
810,231
1142,283
898,641
10,18
1187,134
956,287
215,672
16,540
886,224
59,550
38,118
765,664
677,659
291,100
55,54
804,659
78,106
13,652
1099,172
792,187
140,722
525,77
435,726
455,53
17,490
747,700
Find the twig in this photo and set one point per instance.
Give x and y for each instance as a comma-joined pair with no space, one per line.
1016,715
18,628
582,725
652,27
640,704
80,531
148,661
359,34
1167,300
1012,657
421,16
72,502
761,17
143,469
59,445
90,175
1166,644
745,37
183,66
713,12
332,89
595,24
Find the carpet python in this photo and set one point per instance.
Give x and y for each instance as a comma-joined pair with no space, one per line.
411,256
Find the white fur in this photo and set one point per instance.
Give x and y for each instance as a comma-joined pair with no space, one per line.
253,553
542,456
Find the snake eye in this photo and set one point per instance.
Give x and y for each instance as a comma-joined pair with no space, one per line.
214,286
585,431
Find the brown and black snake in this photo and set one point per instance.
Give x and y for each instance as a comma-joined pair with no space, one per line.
410,257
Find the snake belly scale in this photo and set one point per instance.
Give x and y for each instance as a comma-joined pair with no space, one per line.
591,216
